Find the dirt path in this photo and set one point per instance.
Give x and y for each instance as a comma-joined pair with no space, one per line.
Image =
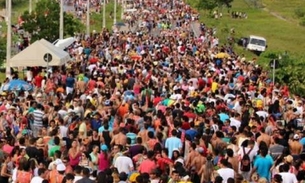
276,15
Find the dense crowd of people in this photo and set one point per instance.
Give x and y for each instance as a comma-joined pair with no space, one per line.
137,108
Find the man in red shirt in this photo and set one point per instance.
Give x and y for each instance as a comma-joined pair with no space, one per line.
37,80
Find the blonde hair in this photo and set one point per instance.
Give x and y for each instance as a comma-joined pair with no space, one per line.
262,180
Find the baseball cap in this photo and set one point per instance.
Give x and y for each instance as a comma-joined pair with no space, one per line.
104,147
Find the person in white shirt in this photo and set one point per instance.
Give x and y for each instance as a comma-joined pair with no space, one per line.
224,171
286,175
42,174
77,172
124,164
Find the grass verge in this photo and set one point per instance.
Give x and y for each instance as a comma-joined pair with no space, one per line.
97,18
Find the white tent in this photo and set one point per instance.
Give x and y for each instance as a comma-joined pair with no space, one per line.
34,54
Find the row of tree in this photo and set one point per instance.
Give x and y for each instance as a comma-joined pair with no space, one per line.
43,22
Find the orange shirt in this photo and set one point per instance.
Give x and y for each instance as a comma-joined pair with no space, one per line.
23,177
56,177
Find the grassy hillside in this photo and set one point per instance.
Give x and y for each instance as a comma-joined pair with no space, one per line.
282,35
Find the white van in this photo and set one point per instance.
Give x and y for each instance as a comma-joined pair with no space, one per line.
256,43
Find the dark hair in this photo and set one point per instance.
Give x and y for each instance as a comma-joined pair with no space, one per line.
41,171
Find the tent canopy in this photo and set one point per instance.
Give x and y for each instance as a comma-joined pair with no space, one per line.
34,55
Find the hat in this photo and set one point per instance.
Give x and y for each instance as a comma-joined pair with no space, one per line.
296,137
3,94
40,142
288,159
58,162
38,95
12,108
133,177
200,150
61,167
104,147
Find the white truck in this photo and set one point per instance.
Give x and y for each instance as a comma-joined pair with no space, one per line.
253,43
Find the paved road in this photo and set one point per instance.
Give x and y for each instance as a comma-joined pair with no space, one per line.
195,26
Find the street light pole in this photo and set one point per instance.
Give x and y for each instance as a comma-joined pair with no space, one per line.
9,37
104,14
114,13
61,20
88,17
30,8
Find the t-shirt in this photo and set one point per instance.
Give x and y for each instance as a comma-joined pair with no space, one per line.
172,143
147,166
263,165
288,177
37,180
226,173
70,82
123,164
53,149
83,128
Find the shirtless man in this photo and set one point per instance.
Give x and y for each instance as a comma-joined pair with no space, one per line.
295,146
264,137
144,133
191,155
120,138
198,160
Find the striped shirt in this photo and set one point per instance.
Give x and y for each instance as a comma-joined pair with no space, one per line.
38,117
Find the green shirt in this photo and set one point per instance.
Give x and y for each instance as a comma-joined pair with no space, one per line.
53,149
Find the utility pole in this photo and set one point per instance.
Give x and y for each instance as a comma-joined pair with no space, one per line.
30,8
104,14
88,17
61,20
9,37
114,13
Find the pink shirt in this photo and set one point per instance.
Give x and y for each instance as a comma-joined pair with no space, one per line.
103,162
7,149
147,166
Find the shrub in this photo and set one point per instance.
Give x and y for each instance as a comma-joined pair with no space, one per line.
299,12
302,22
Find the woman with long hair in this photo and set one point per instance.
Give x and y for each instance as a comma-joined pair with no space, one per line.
95,156
74,153
23,173
207,170
5,173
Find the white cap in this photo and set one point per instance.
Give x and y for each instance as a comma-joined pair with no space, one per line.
296,137
61,167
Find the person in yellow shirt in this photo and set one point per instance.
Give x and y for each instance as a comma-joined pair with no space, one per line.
214,85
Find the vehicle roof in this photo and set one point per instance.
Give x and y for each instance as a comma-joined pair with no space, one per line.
257,37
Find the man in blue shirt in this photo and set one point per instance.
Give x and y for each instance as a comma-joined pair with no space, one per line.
263,164
70,81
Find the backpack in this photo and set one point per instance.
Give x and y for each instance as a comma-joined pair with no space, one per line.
245,163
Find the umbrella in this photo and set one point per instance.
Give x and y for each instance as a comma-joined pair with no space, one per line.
120,24
136,57
168,102
222,55
17,85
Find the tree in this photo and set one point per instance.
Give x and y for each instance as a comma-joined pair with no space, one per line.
212,4
207,4
43,22
2,49
290,72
